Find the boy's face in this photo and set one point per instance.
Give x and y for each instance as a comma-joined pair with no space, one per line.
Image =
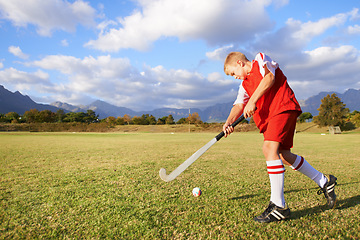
237,70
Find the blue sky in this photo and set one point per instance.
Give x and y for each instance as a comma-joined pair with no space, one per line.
145,54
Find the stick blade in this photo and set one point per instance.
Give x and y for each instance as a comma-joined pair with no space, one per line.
186,164
163,175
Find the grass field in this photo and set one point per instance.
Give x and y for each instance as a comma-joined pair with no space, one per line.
106,186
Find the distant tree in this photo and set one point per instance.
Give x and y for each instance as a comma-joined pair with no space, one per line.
60,115
194,118
91,117
145,119
12,117
354,117
151,120
31,116
111,121
182,121
127,119
356,120
137,120
46,116
305,116
74,117
161,121
2,117
120,121
170,120
332,112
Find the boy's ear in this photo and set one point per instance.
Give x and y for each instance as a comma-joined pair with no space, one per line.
240,63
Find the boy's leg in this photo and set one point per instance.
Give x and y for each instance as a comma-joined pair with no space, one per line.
277,209
276,171
287,121
278,133
281,129
298,163
325,182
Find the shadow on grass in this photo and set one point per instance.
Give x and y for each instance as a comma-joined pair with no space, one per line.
244,197
317,188
340,205
289,191
349,202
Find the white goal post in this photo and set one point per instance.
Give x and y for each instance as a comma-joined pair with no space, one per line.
334,130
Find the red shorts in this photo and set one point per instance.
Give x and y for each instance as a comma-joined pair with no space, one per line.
281,128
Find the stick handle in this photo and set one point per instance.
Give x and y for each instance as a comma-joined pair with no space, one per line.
220,135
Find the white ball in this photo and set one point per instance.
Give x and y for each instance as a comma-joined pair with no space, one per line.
196,192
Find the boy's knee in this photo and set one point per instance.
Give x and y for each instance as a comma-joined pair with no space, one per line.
265,149
271,150
287,156
269,147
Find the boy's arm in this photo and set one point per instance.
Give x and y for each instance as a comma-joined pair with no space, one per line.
235,113
266,83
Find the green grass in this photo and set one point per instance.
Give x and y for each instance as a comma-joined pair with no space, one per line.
95,186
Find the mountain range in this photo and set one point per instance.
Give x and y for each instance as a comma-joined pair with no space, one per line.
351,98
16,102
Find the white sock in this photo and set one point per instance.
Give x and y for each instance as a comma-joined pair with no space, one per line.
276,171
305,168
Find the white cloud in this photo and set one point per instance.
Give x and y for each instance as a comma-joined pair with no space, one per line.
104,67
325,68
64,43
183,89
221,22
354,29
288,42
310,29
116,81
220,53
280,3
25,80
330,56
354,14
48,15
16,51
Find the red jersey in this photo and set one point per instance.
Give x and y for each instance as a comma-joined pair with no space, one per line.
279,98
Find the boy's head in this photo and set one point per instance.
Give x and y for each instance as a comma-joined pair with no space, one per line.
235,64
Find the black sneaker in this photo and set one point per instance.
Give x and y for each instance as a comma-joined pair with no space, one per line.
273,213
329,190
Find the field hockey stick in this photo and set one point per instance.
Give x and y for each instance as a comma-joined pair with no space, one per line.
196,155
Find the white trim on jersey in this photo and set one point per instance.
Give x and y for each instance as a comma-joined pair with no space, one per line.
263,60
242,96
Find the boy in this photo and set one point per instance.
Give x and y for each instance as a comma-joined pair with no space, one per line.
265,94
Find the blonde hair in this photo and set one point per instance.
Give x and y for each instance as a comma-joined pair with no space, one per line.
232,58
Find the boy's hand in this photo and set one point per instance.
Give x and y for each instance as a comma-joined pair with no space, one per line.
227,129
249,109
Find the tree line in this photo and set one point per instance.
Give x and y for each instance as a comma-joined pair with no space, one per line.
47,116
332,112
